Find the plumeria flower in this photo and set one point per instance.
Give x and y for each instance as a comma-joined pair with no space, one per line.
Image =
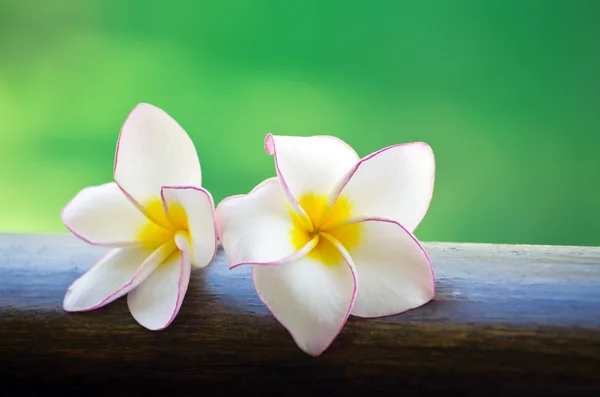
155,216
331,235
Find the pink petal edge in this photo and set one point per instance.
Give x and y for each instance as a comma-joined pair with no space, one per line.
296,207
114,244
212,206
296,255
235,196
140,207
121,291
414,238
121,132
345,181
354,292
217,222
116,160
182,286
270,145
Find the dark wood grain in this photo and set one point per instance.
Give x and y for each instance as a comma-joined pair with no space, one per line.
506,320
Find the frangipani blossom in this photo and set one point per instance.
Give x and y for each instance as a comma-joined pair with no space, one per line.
331,235
156,217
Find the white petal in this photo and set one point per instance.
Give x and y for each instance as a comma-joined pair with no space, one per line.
313,164
394,183
256,228
393,269
103,215
155,303
153,150
199,209
114,275
310,299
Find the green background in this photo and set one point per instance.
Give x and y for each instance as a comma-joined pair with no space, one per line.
506,92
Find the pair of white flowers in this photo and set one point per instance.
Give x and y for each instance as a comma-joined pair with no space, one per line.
329,236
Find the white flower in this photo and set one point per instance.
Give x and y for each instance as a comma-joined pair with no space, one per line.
331,235
156,217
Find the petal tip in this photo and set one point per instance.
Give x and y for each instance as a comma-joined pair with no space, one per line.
142,105
155,327
315,352
66,303
424,146
69,304
206,263
312,350
149,323
64,216
65,219
154,324
64,212
270,144
427,147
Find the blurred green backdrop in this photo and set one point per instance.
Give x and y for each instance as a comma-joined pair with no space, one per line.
506,92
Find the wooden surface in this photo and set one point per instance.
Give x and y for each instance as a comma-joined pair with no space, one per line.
507,320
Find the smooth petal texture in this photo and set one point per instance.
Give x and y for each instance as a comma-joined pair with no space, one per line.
103,215
311,300
199,209
117,273
155,303
256,228
393,270
310,164
153,150
394,183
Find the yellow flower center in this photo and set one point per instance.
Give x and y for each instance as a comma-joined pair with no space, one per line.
162,228
325,219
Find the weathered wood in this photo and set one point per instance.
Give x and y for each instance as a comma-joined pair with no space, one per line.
507,320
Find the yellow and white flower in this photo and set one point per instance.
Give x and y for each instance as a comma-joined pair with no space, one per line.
156,217
331,235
